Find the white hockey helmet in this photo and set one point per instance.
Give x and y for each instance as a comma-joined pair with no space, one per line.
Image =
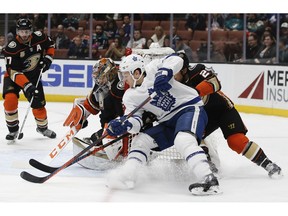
130,64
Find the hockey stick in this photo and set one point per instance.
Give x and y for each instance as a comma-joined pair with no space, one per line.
20,135
48,169
61,145
35,179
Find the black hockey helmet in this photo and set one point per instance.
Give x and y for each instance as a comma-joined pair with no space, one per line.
24,24
185,58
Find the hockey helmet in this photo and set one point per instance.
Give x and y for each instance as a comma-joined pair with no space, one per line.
130,64
104,71
185,59
24,28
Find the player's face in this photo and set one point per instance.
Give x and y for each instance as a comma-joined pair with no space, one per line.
24,34
127,78
99,75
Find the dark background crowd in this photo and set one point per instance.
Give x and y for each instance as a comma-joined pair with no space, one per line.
239,38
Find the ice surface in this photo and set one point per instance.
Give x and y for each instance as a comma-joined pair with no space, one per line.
165,183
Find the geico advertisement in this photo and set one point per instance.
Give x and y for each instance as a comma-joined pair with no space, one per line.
248,85
65,77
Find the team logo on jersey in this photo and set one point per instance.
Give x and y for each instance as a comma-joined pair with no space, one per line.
163,100
120,85
12,44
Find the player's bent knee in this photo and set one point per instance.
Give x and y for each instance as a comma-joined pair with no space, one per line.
184,140
141,146
11,102
237,142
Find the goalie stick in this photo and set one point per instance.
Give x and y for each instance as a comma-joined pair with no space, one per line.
48,169
61,145
35,179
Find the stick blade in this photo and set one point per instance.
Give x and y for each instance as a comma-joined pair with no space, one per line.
20,136
40,166
31,178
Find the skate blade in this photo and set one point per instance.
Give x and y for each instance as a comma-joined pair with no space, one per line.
213,190
11,142
277,176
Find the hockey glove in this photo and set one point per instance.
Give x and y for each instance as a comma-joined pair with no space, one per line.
118,126
47,61
77,117
31,91
162,78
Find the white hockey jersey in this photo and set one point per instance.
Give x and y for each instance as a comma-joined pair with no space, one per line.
164,105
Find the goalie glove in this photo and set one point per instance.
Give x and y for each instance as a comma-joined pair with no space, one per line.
78,116
162,78
118,126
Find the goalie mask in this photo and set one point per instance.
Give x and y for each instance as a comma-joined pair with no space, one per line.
24,29
104,72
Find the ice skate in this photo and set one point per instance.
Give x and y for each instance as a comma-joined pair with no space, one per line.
11,137
124,177
274,171
46,132
209,186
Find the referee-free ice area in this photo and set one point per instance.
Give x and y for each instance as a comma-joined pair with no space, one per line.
163,182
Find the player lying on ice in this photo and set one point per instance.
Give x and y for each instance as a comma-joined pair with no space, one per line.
222,114
181,121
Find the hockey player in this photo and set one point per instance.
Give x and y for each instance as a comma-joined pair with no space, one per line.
105,98
222,114
181,118
26,55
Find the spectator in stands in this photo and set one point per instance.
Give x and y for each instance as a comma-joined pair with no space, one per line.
253,46
138,41
2,44
234,22
284,31
110,29
61,39
45,30
127,25
81,33
99,38
267,53
78,49
196,22
116,50
217,22
182,46
71,22
202,51
167,38
283,50
121,34
159,36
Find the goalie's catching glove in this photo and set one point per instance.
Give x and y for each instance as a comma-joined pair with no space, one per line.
162,78
118,126
77,117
